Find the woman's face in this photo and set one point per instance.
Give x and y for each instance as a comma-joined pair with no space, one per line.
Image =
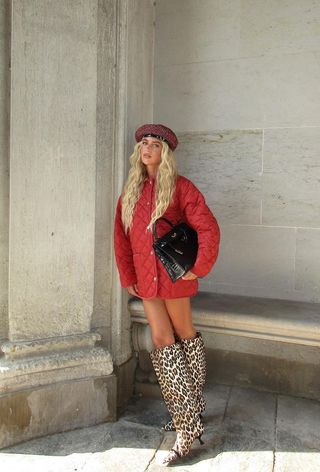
150,152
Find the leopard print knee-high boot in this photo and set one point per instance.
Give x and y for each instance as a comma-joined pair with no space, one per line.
194,352
180,397
196,359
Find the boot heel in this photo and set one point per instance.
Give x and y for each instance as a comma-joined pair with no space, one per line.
200,440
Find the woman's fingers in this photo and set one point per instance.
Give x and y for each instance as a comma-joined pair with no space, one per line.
189,276
133,290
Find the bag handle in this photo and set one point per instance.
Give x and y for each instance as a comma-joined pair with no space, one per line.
155,224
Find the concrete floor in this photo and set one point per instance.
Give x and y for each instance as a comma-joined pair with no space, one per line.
246,431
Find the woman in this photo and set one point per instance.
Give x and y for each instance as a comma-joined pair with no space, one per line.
154,189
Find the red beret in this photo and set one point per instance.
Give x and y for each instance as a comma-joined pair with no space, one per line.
157,131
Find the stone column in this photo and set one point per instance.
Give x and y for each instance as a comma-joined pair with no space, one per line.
4,161
134,97
126,36
54,374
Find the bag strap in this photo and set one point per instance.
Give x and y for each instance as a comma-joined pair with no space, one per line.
155,224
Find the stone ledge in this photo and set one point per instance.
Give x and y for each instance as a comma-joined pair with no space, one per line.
55,367
260,318
15,349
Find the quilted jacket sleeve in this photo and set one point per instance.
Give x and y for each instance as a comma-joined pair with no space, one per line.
123,251
200,217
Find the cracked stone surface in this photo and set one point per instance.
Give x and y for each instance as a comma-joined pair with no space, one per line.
245,431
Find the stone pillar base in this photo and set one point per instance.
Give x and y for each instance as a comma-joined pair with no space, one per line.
55,408
54,385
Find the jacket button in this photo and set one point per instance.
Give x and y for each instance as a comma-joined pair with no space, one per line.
154,278
148,203
151,252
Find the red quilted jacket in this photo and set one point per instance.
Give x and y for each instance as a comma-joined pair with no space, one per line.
135,257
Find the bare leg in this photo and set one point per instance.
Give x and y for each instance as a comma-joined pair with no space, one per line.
159,321
179,310
172,371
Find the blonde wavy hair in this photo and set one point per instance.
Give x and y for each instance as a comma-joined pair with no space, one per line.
165,185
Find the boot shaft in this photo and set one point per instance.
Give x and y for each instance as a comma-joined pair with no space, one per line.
179,393
194,351
176,383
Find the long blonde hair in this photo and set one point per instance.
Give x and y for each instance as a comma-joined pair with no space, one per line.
165,185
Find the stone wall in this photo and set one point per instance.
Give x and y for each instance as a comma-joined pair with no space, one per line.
239,81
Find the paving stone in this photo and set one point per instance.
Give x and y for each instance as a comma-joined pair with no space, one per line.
297,462
242,461
41,463
211,456
147,411
125,445
240,441
298,422
91,439
251,414
120,460
216,400
198,457
129,435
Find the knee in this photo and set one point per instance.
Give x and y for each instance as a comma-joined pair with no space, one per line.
186,332
162,339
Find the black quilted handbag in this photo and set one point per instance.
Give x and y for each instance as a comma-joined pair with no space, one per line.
177,249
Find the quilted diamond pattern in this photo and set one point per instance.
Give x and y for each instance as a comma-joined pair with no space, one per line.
135,257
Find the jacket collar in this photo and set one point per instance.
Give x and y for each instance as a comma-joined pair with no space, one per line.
149,178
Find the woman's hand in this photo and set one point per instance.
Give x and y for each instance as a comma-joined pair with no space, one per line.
133,290
189,276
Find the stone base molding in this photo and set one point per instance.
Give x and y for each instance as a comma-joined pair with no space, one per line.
52,385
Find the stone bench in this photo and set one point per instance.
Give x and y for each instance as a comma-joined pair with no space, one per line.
260,342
